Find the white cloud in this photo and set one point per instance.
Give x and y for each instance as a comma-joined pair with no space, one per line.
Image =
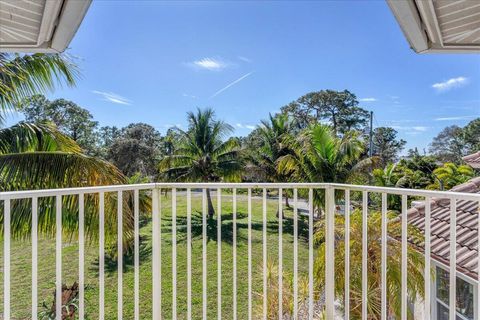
231,84
170,126
244,59
420,128
399,121
186,95
212,64
411,129
394,99
450,83
454,118
113,97
245,126
368,99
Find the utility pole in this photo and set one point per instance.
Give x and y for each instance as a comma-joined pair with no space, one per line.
370,149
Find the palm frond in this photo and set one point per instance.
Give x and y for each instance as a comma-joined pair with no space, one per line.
29,137
415,263
22,76
47,170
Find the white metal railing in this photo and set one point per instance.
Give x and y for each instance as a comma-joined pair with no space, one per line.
330,192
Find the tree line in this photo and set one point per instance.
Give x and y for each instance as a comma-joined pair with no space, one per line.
320,137
321,125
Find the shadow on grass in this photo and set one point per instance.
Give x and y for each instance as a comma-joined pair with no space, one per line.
111,262
145,248
227,227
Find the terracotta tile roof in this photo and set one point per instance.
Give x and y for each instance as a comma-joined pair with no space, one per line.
473,160
467,228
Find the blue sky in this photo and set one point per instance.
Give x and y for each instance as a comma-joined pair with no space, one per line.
153,61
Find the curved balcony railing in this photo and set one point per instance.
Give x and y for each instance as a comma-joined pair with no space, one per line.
310,202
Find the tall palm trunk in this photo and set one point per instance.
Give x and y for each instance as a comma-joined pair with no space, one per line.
287,203
211,210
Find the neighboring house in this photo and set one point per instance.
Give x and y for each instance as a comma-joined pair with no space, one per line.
467,250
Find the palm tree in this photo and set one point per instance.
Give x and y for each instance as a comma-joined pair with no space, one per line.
273,132
22,76
203,155
392,176
318,155
451,175
38,156
415,264
388,177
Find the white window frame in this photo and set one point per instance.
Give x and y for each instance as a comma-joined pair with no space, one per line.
434,301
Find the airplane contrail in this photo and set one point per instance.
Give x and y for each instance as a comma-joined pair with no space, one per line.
231,84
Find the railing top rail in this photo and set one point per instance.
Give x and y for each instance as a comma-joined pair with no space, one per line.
182,185
73,191
241,185
409,192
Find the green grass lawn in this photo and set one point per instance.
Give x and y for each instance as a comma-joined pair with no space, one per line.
21,264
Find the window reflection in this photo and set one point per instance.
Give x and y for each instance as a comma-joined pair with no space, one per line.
464,301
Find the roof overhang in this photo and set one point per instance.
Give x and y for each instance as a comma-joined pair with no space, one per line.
440,26
45,26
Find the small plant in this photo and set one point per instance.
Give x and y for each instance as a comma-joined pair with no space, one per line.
69,304
287,295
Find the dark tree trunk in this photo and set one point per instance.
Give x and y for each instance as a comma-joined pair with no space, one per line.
69,294
287,203
278,215
211,210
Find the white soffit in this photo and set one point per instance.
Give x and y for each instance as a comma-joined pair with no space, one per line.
439,25
39,25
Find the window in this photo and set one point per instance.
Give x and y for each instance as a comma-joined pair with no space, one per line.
464,301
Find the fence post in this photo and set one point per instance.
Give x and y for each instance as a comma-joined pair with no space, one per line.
156,255
329,252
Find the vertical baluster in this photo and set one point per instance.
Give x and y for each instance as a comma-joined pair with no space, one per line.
101,275
330,253
234,218
34,257
310,254
249,254
174,253
364,255
157,251
189,253
295,254
264,242
427,271
347,254
280,255
384,256
136,290
119,255
58,258
6,259
453,258
204,253
219,254
404,258
81,256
